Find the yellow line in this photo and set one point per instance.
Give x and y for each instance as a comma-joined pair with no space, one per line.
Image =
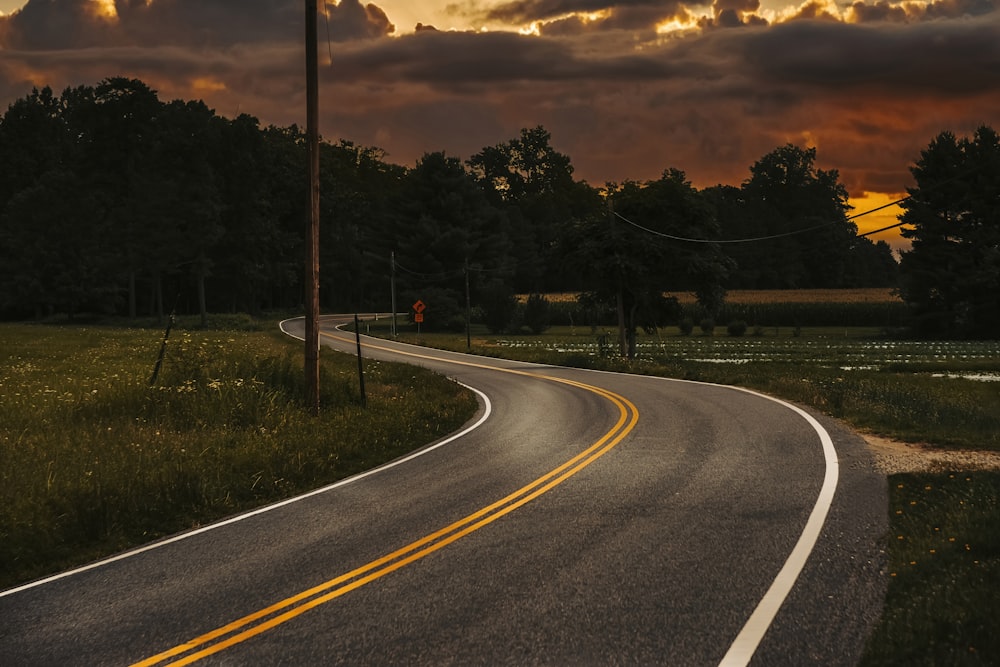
334,588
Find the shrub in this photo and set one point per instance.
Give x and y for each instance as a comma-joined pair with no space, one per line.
737,328
536,313
707,326
686,326
499,307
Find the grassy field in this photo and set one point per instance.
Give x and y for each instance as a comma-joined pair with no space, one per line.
93,460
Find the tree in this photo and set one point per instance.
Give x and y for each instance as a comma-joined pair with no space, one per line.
112,127
187,136
951,275
62,259
443,225
631,261
533,184
804,209
355,213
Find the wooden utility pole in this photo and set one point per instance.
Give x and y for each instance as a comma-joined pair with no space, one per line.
619,295
312,233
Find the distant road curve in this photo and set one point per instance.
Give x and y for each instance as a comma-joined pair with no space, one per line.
582,518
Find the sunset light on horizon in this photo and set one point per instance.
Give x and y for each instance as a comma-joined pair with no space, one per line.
627,89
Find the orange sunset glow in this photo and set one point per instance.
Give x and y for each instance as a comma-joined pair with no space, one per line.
626,89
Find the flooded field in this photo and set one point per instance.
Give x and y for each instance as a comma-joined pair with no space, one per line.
975,360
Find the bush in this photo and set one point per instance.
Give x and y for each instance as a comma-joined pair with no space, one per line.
737,328
686,326
707,326
499,307
536,313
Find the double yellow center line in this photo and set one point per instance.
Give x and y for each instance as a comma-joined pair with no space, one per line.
281,612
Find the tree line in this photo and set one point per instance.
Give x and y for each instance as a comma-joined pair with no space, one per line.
115,202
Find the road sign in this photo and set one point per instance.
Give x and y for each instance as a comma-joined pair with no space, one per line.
418,318
419,306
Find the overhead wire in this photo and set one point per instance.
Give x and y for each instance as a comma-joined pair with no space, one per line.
773,236
940,184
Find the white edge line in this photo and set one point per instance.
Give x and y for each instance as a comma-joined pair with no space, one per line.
487,411
749,638
747,641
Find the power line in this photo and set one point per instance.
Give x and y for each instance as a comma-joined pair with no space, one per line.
454,273
772,236
747,240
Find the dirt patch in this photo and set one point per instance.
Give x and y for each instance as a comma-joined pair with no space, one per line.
892,456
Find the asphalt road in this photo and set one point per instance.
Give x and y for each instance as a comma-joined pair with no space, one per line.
582,518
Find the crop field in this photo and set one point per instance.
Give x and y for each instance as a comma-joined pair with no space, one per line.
810,296
826,350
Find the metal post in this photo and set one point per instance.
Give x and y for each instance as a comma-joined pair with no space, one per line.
392,285
468,310
361,367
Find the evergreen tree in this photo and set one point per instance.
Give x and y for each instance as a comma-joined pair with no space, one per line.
951,274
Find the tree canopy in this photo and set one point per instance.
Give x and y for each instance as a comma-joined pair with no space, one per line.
114,201
951,274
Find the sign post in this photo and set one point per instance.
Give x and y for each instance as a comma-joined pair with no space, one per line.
418,313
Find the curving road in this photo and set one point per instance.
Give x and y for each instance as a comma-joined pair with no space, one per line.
582,518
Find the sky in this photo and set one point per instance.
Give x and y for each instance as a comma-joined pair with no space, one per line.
626,88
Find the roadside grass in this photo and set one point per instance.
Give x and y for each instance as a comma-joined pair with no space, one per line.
942,606
944,567
93,460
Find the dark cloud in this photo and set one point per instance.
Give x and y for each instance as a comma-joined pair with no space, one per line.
862,12
350,20
906,12
65,24
960,58
621,100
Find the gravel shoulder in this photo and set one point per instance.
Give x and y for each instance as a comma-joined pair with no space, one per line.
892,456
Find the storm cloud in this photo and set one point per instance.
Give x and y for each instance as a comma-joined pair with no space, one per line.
869,85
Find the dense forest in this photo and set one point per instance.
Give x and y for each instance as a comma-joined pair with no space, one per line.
114,202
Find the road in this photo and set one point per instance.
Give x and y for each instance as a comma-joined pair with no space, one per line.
581,518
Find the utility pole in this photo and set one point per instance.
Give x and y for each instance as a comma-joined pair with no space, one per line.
622,343
312,234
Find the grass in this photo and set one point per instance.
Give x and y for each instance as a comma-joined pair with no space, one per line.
944,555
93,460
